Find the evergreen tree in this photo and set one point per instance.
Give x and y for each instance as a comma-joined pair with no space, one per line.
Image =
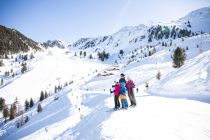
90,56
150,53
25,57
121,52
5,113
84,54
178,57
45,95
103,55
1,63
2,81
31,103
41,96
39,108
31,56
27,105
13,75
2,103
24,67
150,39
56,89
80,53
158,75
12,114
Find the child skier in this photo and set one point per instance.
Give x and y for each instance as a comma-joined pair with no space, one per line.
116,95
123,97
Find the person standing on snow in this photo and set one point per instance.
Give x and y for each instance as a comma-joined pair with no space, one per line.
130,88
116,95
123,97
122,78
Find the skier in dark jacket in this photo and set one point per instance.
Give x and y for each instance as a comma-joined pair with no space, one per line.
122,78
130,86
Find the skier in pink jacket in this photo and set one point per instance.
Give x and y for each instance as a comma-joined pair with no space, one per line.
116,95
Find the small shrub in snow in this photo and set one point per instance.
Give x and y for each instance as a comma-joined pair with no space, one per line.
158,75
147,85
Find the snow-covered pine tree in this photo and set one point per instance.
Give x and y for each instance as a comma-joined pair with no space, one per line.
178,57
2,81
41,96
5,113
27,105
1,63
80,53
84,54
12,114
45,95
90,56
24,67
31,103
2,103
121,52
39,108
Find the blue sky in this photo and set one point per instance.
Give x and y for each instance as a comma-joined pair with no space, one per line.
70,20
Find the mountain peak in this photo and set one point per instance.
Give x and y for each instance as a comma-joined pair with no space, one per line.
55,43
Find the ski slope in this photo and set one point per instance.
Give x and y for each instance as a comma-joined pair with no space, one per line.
176,107
84,109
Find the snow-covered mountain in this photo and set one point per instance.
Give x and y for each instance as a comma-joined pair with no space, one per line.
12,42
198,20
131,38
55,43
78,103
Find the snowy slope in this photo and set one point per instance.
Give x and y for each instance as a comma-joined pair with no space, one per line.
84,109
199,20
131,38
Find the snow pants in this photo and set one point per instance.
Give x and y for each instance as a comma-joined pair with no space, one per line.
132,98
124,103
116,102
